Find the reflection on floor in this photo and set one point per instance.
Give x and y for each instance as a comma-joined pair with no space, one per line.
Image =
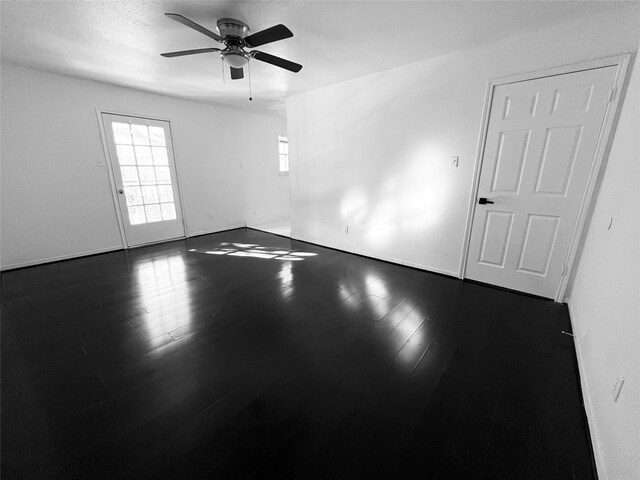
248,355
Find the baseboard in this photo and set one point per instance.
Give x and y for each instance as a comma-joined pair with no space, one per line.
273,222
272,233
384,258
42,261
586,399
510,290
58,258
216,230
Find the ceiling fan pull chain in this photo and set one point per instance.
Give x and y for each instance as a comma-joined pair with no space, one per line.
222,65
250,95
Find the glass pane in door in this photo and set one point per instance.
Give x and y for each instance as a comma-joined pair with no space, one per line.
143,160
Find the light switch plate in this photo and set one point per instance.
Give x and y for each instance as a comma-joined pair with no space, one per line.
454,161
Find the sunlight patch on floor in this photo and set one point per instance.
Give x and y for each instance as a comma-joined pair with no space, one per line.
255,251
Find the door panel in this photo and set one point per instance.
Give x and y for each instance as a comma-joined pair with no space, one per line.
541,140
497,231
143,166
512,150
520,106
576,98
558,157
539,239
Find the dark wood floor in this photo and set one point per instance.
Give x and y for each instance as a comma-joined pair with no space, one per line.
228,356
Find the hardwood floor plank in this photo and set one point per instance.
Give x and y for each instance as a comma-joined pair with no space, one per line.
248,355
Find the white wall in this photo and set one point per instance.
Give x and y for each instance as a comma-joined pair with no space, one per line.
266,191
373,153
605,301
56,202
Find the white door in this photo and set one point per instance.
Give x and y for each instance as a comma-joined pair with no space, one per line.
541,140
144,171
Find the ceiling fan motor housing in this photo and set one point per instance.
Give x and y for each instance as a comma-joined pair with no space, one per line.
230,27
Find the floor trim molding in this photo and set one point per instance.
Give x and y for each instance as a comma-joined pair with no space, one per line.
383,258
199,233
60,258
596,457
71,256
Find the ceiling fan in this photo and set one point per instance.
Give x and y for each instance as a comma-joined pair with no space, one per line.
234,34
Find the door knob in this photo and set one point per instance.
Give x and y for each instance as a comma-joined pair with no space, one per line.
122,191
484,201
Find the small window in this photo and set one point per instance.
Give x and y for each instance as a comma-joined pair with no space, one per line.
283,150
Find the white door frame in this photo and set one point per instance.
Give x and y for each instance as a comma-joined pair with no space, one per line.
602,148
112,180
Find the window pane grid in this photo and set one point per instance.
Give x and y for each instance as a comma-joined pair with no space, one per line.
146,177
283,153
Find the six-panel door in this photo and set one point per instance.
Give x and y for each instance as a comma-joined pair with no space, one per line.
541,140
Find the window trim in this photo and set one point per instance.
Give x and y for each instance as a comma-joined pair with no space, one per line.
283,140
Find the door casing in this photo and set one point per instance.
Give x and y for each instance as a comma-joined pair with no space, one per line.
613,109
111,175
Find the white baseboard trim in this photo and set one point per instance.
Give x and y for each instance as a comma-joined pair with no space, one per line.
283,221
215,230
378,257
58,258
586,398
275,228
272,232
69,256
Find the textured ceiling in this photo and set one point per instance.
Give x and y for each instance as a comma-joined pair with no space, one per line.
119,42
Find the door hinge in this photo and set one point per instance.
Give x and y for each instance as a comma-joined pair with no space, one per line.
612,94
564,270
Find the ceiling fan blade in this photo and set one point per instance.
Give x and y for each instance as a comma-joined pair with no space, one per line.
189,52
277,61
185,21
273,34
236,73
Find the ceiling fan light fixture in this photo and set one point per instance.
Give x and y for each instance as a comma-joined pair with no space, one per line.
235,59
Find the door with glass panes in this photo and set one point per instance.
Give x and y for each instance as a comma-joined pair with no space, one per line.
144,172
